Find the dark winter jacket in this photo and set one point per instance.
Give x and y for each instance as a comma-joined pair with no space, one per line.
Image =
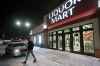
30,45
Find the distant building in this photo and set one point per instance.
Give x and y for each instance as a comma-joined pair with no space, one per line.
40,34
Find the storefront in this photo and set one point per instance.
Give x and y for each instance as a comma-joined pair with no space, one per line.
74,27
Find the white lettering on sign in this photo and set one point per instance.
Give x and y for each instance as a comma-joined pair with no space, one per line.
98,3
64,11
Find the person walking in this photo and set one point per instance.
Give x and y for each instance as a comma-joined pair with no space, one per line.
30,47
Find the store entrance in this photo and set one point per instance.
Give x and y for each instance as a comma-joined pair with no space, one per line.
77,39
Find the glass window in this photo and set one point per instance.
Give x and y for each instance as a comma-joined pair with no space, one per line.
54,41
76,41
34,39
88,26
88,41
76,29
67,30
54,32
67,42
50,41
40,39
59,32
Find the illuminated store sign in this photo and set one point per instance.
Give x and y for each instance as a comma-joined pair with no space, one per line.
99,3
64,11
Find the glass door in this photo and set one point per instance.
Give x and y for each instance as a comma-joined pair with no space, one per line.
67,42
60,42
76,41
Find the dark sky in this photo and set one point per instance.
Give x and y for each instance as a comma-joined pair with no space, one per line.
30,10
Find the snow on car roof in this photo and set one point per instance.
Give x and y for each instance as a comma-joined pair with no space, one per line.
16,42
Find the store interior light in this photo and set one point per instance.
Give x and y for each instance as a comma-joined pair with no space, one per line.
40,39
34,39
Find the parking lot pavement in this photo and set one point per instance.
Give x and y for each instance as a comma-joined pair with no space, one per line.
48,57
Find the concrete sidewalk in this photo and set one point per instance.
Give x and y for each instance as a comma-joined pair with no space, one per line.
48,57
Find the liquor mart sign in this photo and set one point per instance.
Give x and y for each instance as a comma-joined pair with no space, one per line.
64,11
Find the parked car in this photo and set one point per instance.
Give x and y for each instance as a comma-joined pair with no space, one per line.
2,49
16,49
3,45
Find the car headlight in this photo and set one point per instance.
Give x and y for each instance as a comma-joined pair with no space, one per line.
16,51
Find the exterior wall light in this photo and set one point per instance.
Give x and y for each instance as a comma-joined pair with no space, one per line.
44,26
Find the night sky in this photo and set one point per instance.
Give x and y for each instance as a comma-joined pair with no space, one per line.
24,10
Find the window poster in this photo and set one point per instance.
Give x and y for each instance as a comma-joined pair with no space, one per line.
88,41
